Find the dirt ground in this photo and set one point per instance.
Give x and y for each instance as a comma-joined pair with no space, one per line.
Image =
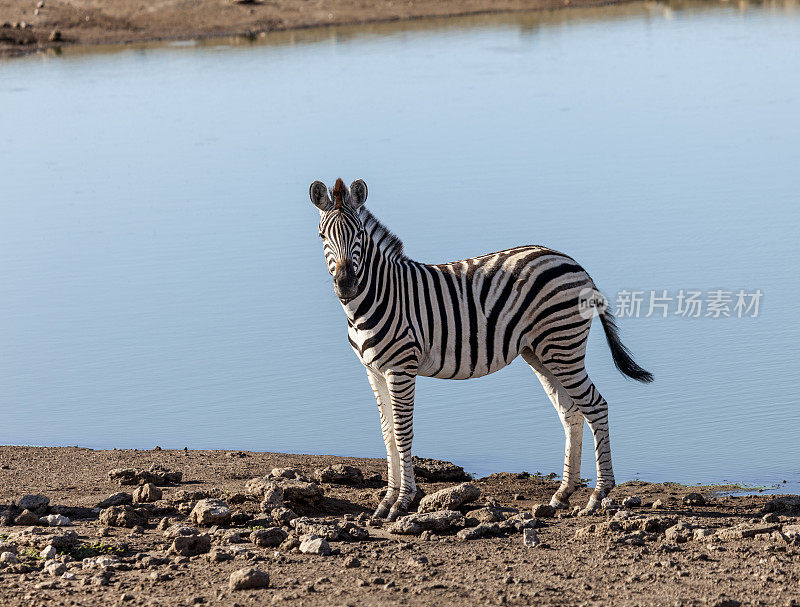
676,552
30,25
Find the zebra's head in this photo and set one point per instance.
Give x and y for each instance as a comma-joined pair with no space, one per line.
342,232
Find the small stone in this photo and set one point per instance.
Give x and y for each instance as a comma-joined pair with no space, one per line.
449,498
40,4
518,497
147,493
55,36
415,524
56,520
633,501
679,533
27,518
436,471
608,503
55,568
9,558
339,474
477,532
352,562
658,504
301,491
209,512
529,538
191,545
273,497
219,555
48,553
268,538
770,518
36,503
283,515
116,499
694,499
543,511
122,516
310,544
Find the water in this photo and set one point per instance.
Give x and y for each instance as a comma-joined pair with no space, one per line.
163,281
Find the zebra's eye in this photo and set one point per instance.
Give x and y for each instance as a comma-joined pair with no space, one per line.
321,235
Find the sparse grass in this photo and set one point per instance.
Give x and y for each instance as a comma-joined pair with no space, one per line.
85,551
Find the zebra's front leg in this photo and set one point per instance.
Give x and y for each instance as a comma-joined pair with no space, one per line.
381,391
401,388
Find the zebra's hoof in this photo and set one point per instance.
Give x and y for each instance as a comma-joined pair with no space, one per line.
380,512
394,513
558,504
592,507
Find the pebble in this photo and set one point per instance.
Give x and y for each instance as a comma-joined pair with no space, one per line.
209,512
48,553
633,501
268,538
694,499
310,544
339,474
122,516
27,518
658,504
147,493
543,511
529,538
191,545
352,562
450,498
116,499
415,524
9,558
56,520
55,568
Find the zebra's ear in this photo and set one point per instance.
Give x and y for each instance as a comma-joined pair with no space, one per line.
358,193
319,196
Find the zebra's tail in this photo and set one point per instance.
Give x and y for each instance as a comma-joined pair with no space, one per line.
623,360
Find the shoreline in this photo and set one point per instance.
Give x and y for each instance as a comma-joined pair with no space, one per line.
59,24
166,527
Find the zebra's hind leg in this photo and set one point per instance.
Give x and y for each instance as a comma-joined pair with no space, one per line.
594,408
381,391
572,420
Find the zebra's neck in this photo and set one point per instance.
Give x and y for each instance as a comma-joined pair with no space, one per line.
381,273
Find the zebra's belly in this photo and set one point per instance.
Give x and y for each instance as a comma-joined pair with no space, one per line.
431,367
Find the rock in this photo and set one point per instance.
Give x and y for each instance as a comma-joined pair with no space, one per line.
339,474
179,530
658,504
543,511
701,534
282,515
694,499
633,501
285,473
6,518
219,555
473,533
191,545
268,538
9,558
744,531
27,518
147,493
782,504
101,562
158,475
116,499
450,498
209,512
415,524
273,497
255,487
436,471
301,491
489,514
248,579
56,520
122,516
608,503
352,562
55,36
311,544
679,533
35,503
529,538
55,568
770,518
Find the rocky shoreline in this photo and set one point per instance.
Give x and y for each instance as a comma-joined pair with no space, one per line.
36,25
84,527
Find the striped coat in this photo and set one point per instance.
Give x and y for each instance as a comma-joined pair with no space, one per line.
461,320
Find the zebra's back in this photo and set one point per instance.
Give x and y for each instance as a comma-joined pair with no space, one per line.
475,316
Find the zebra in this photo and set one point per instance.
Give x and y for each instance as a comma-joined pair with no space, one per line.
465,319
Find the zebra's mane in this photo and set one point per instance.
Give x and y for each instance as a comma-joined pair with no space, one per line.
382,236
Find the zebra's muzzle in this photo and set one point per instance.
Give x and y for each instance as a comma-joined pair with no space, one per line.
345,283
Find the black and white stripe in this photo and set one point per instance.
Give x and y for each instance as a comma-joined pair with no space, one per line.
460,320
